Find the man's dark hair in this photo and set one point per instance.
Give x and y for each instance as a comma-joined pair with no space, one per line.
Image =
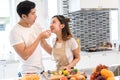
25,7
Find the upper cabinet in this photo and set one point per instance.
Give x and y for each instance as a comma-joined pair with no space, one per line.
75,5
99,3
89,3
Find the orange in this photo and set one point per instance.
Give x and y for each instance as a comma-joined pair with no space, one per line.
74,77
110,78
106,73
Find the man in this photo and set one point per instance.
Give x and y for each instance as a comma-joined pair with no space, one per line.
25,37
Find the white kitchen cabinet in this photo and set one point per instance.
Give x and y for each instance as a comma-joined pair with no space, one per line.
108,3
99,3
89,3
75,5
8,69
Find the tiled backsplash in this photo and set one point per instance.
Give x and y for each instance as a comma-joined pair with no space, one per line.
91,26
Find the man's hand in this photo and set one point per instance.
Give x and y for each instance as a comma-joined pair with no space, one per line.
45,34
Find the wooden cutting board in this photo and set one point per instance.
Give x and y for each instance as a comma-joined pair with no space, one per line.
57,77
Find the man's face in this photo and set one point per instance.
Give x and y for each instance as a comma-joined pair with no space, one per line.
31,17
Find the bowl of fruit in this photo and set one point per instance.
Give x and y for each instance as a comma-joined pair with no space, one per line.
64,74
102,72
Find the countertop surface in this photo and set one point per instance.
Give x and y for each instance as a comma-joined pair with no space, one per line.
88,61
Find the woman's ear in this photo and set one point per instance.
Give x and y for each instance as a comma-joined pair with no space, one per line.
62,25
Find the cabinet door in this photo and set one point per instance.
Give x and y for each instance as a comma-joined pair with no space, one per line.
2,72
11,70
108,3
99,3
89,3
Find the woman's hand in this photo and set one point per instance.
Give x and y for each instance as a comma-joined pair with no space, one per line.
66,67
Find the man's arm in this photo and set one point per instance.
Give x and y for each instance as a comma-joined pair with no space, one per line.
24,51
46,46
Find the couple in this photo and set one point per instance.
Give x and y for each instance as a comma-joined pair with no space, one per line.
27,38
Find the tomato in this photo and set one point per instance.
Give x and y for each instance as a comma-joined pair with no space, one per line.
63,78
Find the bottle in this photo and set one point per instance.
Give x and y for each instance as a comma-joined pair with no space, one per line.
19,76
119,48
114,45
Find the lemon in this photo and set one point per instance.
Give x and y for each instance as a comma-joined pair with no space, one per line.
66,72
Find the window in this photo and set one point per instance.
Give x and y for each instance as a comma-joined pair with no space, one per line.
114,25
52,8
74,7
4,28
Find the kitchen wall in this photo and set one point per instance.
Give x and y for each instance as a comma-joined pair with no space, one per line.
91,25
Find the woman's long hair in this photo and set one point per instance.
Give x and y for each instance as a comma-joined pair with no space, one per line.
66,34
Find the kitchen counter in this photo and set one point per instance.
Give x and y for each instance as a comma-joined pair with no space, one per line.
88,61
92,59
8,61
117,77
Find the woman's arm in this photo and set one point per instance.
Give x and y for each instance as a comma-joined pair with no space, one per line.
76,55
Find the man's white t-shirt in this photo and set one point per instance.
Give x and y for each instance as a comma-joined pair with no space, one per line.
20,34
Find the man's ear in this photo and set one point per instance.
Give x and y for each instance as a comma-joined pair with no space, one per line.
23,16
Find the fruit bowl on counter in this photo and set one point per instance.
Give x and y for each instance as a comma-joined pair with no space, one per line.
102,72
64,74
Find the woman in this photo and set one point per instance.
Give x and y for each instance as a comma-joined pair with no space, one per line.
65,50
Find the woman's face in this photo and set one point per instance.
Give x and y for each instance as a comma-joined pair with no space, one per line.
55,26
